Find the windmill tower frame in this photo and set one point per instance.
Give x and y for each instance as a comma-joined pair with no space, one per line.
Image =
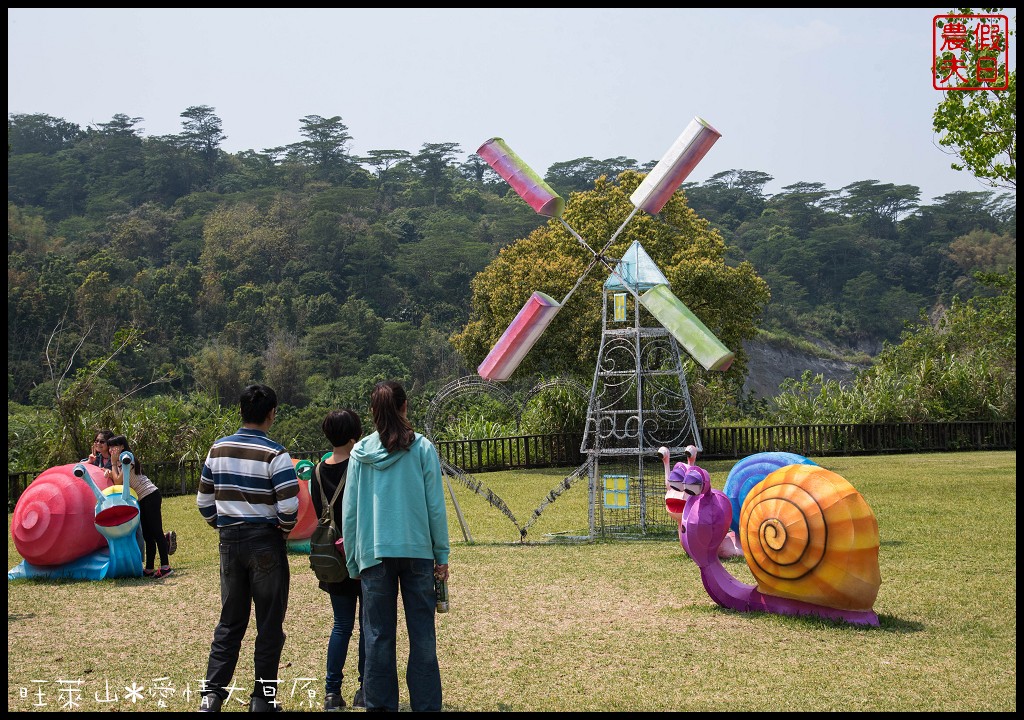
639,401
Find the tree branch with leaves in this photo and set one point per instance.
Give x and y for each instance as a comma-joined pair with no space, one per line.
980,126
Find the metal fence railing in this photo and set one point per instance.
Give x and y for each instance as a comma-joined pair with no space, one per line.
719,443
859,439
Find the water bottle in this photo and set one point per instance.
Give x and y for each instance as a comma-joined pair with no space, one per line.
441,593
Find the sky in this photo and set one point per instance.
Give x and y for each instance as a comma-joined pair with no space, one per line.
834,96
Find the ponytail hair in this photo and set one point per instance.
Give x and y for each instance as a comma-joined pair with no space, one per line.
386,402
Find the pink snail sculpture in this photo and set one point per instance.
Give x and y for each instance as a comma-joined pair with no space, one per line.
809,538
66,527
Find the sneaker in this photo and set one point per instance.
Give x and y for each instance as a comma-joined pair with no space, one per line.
259,704
358,700
162,573
148,572
172,542
333,702
211,703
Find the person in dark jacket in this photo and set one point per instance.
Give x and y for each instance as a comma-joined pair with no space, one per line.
342,428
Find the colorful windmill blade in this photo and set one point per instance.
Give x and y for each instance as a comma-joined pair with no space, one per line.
519,337
687,329
537,193
670,172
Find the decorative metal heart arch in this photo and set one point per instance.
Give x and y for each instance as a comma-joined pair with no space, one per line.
475,385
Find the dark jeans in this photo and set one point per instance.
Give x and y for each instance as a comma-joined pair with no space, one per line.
253,572
337,647
381,584
152,523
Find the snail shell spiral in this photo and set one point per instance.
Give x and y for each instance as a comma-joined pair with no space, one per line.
54,519
807,534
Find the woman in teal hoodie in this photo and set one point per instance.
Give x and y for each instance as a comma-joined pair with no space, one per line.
395,527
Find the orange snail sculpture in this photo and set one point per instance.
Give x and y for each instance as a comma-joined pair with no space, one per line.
809,538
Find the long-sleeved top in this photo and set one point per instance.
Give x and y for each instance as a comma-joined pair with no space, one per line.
393,505
248,478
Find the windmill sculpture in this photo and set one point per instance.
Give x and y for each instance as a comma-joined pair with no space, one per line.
639,399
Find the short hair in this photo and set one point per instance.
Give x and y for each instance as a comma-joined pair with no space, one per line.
340,426
256,403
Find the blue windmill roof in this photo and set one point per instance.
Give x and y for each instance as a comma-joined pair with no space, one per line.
637,270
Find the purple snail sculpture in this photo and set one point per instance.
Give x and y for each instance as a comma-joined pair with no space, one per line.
115,517
809,538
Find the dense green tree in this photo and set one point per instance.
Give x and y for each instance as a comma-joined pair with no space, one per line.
438,267
194,245
38,133
31,178
879,205
729,198
476,170
221,371
388,168
579,175
168,173
325,146
201,137
802,207
570,176
249,170
434,163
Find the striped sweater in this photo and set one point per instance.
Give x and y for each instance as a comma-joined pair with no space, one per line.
248,478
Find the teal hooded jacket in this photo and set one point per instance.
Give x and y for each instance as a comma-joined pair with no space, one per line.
393,505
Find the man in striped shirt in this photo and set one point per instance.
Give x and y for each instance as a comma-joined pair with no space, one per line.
249,492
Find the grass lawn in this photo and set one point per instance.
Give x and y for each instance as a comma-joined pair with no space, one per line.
550,625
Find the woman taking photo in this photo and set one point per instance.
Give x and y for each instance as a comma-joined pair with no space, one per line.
150,516
395,527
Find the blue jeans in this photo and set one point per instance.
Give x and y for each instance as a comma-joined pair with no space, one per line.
337,646
381,583
253,572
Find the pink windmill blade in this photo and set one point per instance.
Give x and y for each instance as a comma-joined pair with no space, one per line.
531,188
519,337
670,172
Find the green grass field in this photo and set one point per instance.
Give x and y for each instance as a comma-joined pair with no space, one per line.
551,625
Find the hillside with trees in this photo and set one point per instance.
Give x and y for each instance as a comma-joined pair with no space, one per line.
146,267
